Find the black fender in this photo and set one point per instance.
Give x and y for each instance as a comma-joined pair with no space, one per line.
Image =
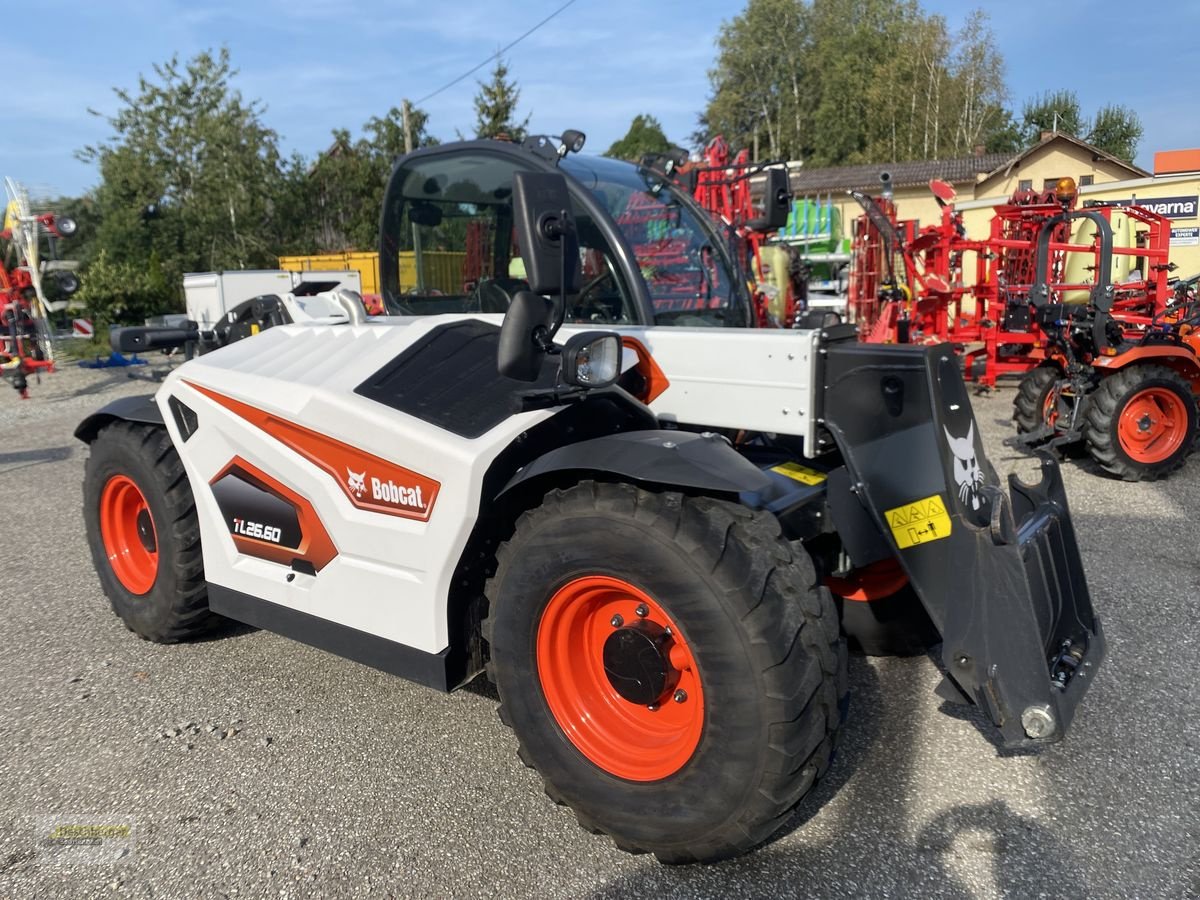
680,459
141,409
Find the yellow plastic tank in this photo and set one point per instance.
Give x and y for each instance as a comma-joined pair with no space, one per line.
1080,265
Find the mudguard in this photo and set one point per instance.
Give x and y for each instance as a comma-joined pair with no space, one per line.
1000,576
676,458
129,409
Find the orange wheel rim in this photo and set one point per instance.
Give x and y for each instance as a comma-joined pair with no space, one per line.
1050,408
640,729
873,582
1152,426
130,539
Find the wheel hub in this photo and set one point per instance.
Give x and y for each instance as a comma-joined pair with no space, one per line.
637,662
145,531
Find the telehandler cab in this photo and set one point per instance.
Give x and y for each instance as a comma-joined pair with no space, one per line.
630,528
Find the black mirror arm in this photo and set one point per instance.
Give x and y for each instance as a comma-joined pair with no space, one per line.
558,229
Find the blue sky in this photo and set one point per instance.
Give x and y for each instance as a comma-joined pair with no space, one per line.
324,64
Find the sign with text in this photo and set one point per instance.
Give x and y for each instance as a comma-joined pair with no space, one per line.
1171,207
1185,237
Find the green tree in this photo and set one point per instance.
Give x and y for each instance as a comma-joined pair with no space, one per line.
849,81
645,135
496,106
1052,111
340,194
1004,134
191,178
1116,130
757,100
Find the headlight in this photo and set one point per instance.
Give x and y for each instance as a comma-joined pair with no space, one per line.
592,359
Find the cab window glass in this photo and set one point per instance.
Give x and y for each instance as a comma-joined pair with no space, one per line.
689,275
449,244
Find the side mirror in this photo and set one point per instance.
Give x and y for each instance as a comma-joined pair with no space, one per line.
777,201
545,232
592,359
524,336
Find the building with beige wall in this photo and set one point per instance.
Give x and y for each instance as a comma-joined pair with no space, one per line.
987,179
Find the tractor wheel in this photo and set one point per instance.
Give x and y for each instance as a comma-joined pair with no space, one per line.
881,613
670,665
1141,422
1036,403
144,535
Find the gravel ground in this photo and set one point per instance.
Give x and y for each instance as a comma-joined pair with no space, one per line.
252,766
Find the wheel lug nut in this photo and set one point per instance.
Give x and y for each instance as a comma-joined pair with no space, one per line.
680,695
642,611
667,631
653,707
616,621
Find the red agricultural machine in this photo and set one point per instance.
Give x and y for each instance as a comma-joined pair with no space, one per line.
910,285
25,346
1077,301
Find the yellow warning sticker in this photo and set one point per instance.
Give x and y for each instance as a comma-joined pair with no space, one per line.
800,473
919,522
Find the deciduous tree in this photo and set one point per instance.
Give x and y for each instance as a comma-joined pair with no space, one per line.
191,178
1117,130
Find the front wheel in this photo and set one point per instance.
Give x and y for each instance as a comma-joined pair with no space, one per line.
670,665
1141,422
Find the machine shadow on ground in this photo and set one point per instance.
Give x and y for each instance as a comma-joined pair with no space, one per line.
892,853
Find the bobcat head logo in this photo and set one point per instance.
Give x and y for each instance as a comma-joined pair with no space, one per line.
357,482
968,474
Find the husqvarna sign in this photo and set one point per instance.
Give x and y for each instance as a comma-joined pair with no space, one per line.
1171,207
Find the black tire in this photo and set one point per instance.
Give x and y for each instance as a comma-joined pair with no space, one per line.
896,625
1102,429
764,636
175,606
1029,405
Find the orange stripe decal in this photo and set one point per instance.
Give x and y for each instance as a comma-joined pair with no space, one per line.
369,482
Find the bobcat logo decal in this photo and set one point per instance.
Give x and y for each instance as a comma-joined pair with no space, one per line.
356,481
968,474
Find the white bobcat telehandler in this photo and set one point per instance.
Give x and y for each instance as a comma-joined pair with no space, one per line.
654,540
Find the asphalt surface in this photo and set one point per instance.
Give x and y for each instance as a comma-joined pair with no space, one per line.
252,766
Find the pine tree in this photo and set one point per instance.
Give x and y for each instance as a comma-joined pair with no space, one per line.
496,107
645,135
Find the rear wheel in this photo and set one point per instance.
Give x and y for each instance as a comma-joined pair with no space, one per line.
1141,422
881,613
143,532
1036,403
670,666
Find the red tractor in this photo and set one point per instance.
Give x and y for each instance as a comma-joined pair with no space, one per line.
1132,398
